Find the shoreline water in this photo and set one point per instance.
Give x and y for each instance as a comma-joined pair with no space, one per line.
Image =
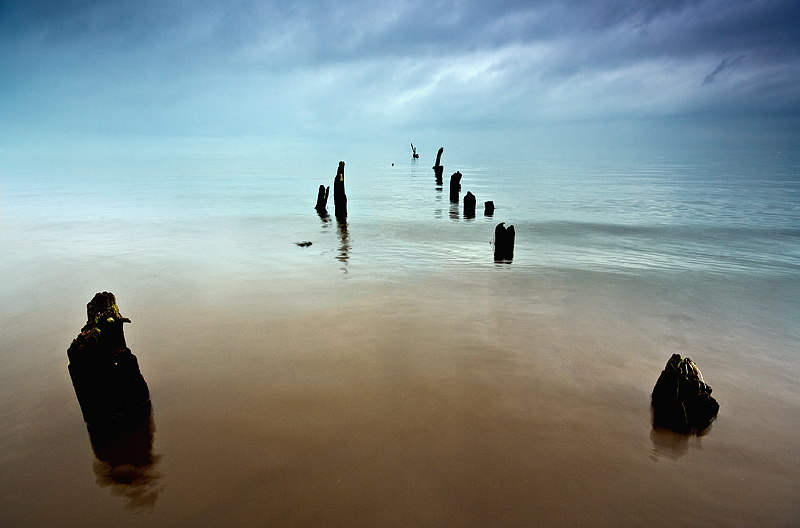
394,374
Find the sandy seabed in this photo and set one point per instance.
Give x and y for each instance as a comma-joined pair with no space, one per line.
465,399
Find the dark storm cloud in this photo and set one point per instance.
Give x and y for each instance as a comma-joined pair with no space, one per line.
350,30
207,65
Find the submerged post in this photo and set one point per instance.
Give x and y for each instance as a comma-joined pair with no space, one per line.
339,196
469,205
104,372
437,168
504,243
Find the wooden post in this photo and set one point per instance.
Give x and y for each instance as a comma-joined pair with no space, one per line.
504,243
437,168
469,205
681,399
322,199
339,196
105,374
455,186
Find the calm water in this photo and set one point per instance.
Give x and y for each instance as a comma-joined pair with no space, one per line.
391,373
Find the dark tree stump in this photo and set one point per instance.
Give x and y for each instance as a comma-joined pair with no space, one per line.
681,399
339,196
469,205
104,372
504,243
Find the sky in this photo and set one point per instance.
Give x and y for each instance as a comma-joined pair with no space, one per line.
150,77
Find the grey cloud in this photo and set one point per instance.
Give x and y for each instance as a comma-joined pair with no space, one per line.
724,65
208,65
601,32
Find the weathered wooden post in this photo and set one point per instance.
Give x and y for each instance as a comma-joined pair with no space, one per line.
504,243
414,152
681,399
322,199
488,208
339,196
437,168
469,205
104,372
455,186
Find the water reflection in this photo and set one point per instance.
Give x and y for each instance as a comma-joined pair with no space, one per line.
125,461
668,444
344,248
454,210
324,217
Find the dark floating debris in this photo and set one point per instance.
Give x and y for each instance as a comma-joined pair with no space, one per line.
504,243
304,243
322,199
681,399
104,372
437,168
414,152
339,196
469,205
488,208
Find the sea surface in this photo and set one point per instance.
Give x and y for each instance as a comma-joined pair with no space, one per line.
391,373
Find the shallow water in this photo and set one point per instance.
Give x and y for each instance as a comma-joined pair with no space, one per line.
391,373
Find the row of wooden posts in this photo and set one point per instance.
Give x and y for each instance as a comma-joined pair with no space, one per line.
504,237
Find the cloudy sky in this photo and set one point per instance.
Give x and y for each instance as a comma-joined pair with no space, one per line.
721,73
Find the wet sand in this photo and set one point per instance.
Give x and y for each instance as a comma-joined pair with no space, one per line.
465,399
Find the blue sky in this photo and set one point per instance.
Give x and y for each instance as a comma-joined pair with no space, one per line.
152,75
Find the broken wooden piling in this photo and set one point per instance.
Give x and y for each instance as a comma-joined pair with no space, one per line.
504,243
339,196
438,169
105,374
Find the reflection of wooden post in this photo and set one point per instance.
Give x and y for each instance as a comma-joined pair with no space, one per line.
414,151
504,242
125,460
469,205
438,169
339,197
104,373
322,198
